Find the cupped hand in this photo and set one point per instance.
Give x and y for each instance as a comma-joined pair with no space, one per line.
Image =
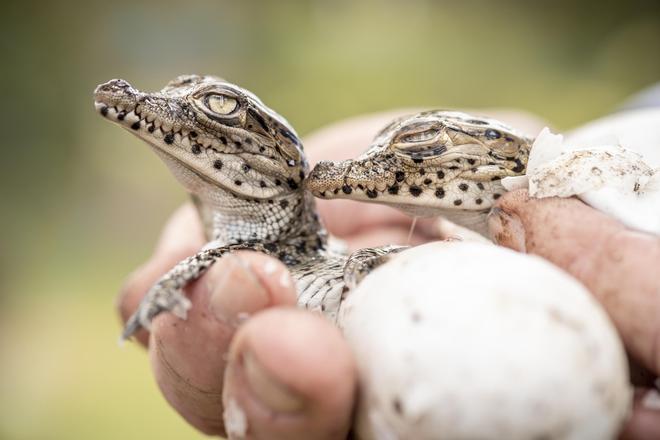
246,360
620,268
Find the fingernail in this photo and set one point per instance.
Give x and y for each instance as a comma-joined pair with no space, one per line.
236,291
271,392
651,400
506,229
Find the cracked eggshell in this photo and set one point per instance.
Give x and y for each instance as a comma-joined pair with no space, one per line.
615,180
461,340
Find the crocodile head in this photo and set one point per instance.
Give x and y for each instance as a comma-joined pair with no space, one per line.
233,153
431,163
209,131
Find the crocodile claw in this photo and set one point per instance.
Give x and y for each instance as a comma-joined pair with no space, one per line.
157,300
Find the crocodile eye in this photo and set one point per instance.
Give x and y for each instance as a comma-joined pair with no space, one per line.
420,136
221,104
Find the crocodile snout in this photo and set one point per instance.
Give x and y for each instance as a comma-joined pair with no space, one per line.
328,175
115,91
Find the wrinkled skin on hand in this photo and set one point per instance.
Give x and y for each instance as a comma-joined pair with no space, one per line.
619,266
245,345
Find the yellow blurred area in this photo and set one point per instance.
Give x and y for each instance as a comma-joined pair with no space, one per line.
83,202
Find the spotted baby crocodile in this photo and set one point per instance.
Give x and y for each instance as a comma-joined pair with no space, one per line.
431,163
244,166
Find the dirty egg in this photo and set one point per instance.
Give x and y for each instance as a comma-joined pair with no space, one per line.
453,340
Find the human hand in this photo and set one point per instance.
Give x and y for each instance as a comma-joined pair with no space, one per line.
244,345
619,266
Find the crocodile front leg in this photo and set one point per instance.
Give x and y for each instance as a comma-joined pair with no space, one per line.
167,294
361,262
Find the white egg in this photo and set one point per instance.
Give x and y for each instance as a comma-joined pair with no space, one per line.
462,340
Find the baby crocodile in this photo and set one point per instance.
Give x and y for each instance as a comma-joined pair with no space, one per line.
432,163
244,166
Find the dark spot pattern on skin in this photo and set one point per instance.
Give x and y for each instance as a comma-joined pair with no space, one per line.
346,189
270,247
284,204
262,184
287,134
463,187
471,161
440,193
427,181
496,196
457,202
169,138
480,186
151,128
217,164
394,189
136,125
415,190
193,134
372,194
478,201
335,191
196,149
495,178
292,183
121,115
238,144
477,122
422,171
237,182
301,174
453,167
262,149
519,167
492,134
360,186
260,120
248,141
440,174
104,111
246,168
418,160
223,140
278,182
399,176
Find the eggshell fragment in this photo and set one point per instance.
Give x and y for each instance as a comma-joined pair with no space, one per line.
461,340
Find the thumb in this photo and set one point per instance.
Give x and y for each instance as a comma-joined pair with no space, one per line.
290,376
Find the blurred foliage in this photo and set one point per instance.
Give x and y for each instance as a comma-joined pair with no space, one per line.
83,202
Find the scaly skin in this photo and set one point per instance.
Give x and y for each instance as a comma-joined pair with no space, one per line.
432,163
244,167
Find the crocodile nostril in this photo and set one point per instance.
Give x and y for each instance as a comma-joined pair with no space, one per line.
115,86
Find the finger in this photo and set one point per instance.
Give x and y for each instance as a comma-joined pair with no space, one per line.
182,236
617,265
291,376
189,356
363,217
644,423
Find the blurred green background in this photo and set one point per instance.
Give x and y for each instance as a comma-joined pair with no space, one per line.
84,201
